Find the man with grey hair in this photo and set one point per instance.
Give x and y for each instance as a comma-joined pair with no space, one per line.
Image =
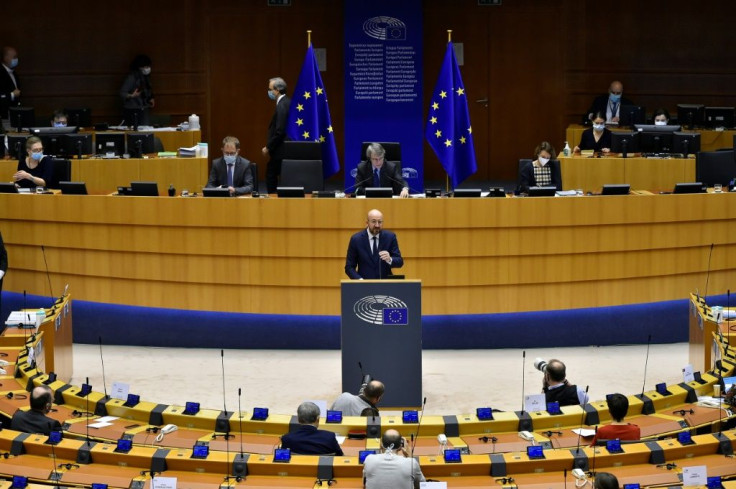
375,172
394,467
307,438
274,147
352,405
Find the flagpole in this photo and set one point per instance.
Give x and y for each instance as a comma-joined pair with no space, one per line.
449,35
447,176
309,38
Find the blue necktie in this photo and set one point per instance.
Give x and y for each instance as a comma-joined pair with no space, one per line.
230,175
376,178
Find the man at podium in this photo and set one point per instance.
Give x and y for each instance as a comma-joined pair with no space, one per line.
373,251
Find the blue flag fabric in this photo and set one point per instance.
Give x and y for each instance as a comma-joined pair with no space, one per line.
309,114
395,315
448,129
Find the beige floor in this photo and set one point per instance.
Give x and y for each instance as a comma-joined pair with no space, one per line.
454,381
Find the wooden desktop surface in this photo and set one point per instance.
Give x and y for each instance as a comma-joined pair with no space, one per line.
472,255
710,140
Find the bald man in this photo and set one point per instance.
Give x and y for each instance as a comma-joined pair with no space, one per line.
608,104
35,420
393,468
373,252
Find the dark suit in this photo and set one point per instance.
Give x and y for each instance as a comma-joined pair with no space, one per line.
600,104
275,142
308,440
390,176
6,88
527,179
3,267
242,177
361,256
33,422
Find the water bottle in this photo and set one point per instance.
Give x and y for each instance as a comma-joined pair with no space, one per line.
172,190
566,150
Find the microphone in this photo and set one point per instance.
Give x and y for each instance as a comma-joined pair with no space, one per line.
707,275
592,470
403,184
646,362
86,408
523,376
582,419
365,378
728,309
419,424
358,184
224,406
48,276
102,362
54,476
239,462
564,477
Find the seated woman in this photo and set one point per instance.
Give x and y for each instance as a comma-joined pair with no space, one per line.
597,138
544,171
661,117
35,169
618,406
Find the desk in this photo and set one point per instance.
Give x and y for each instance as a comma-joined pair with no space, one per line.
710,140
590,174
495,253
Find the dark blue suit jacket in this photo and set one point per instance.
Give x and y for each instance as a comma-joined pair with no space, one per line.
308,440
361,256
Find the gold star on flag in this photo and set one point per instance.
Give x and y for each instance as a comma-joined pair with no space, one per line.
329,129
307,94
319,90
448,143
462,139
306,135
460,91
299,122
470,130
435,106
299,107
443,94
321,139
433,120
438,133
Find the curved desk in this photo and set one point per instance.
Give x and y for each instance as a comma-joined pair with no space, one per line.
710,140
286,256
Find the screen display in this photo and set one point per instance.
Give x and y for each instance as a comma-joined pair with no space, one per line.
535,452
191,408
614,446
97,485
200,451
662,389
281,455
553,408
410,417
85,390
364,453
19,482
334,416
54,437
453,455
124,445
714,482
260,414
685,438
484,413
632,486
133,399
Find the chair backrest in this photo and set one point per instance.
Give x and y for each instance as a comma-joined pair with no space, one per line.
302,173
254,172
393,151
302,150
62,172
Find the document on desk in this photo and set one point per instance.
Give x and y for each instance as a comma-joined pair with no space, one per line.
103,422
584,432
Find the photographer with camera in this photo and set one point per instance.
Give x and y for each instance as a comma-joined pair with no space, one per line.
394,467
556,388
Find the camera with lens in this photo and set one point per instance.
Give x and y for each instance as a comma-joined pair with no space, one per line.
540,364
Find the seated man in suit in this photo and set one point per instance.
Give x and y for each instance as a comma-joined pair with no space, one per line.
556,388
618,406
307,439
35,420
608,104
375,172
232,170
373,251
395,467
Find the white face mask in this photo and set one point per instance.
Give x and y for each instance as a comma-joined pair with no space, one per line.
146,70
599,127
660,123
543,161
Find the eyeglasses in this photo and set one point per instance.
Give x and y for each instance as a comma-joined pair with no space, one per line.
375,221
37,150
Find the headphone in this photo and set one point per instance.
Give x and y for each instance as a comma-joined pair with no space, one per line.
79,414
10,395
329,482
486,439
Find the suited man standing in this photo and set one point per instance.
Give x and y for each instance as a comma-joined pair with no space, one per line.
9,91
232,170
376,172
274,148
373,251
308,439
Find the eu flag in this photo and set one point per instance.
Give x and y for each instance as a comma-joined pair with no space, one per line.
309,115
396,315
448,130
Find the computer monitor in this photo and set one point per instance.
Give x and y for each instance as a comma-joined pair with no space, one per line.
286,192
51,137
719,117
77,144
215,192
466,192
691,115
80,117
17,145
144,189
379,192
541,191
655,141
73,188
110,143
616,189
686,143
133,118
8,188
715,167
140,143
628,115
689,188
22,117
624,142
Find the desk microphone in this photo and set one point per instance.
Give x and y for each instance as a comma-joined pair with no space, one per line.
564,477
357,184
646,362
48,276
102,362
582,420
592,469
414,438
707,276
54,476
224,406
86,408
403,184
523,377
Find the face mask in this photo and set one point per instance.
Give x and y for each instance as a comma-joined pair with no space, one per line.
614,98
59,124
230,159
146,70
271,95
13,62
543,161
599,127
37,156
660,123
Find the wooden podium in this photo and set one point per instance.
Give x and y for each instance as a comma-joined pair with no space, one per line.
701,330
